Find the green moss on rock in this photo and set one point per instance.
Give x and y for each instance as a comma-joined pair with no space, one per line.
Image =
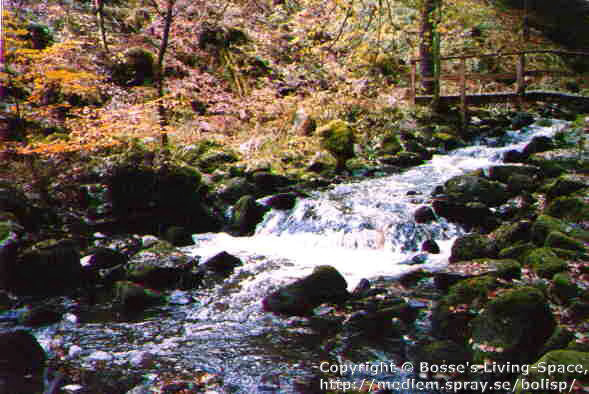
390,144
545,262
338,138
507,269
513,327
556,367
517,252
563,288
556,239
468,290
445,352
545,224
568,207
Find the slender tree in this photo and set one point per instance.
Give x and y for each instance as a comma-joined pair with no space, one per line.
99,5
160,68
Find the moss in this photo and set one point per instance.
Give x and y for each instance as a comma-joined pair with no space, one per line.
472,246
558,340
557,367
568,207
214,159
338,138
563,288
508,269
513,326
469,290
556,239
517,251
390,144
545,262
516,300
545,224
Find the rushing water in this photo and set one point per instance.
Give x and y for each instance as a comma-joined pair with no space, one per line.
364,229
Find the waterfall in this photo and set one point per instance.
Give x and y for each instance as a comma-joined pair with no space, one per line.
366,228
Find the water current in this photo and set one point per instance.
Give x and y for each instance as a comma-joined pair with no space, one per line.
365,229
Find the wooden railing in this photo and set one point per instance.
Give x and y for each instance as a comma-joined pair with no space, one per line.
519,94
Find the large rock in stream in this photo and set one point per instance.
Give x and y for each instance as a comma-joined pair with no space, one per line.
47,268
324,284
20,353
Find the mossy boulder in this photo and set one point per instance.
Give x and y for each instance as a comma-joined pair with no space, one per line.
472,246
472,215
538,144
338,138
402,159
469,188
178,236
390,144
247,213
145,200
267,182
559,368
20,353
469,290
47,268
448,141
502,173
556,239
444,352
216,159
134,297
162,266
563,288
518,251
569,207
236,188
512,327
553,163
545,224
324,284
566,184
507,269
511,233
560,339
545,262
453,313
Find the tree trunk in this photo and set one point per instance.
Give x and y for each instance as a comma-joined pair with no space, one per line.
99,4
160,70
426,44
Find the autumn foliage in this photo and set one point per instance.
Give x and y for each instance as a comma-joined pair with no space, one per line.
234,70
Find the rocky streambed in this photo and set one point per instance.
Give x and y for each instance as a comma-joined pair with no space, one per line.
477,256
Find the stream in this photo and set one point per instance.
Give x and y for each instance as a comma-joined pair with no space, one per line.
364,229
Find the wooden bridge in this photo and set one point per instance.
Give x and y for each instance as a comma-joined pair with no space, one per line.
518,96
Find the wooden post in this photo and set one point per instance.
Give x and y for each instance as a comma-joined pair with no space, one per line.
413,81
463,92
521,84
